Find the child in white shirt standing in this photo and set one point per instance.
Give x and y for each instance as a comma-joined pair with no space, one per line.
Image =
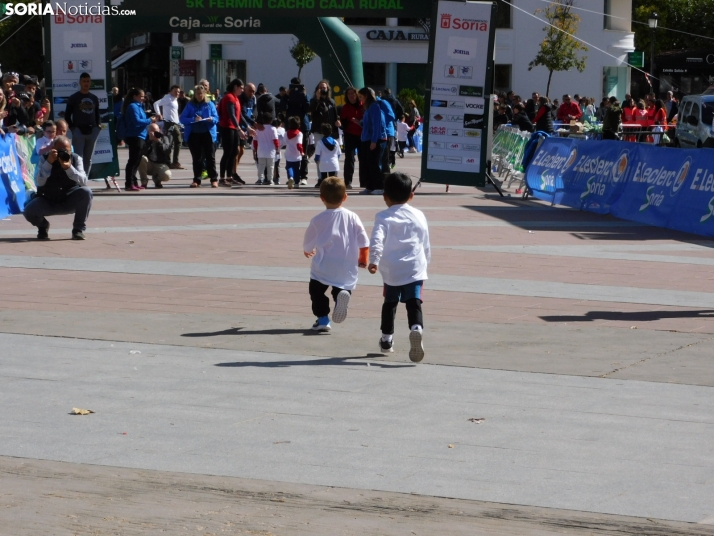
293,151
400,250
402,135
327,153
338,245
265,145
278,124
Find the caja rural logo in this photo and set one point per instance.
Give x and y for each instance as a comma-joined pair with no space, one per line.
660,180
456,23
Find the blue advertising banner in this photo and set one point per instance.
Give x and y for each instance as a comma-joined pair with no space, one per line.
666,187
12,187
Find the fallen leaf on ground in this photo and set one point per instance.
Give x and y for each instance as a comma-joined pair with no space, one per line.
477,420
80,411
451,446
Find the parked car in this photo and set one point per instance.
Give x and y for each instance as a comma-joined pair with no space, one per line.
695,122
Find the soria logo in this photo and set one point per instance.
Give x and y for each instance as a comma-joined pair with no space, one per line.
446,20
592,187
652,199
455,23
706,217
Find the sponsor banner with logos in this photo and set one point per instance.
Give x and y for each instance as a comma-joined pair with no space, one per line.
459,109
12,186
665,187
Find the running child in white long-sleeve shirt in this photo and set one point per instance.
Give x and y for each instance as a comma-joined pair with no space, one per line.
400,250
278,124
338,245
265,144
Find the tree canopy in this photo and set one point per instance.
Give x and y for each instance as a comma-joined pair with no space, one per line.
559,51
302,54
695,16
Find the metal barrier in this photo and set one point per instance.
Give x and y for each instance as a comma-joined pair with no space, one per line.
508,146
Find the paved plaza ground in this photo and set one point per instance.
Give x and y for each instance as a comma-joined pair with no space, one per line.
567,387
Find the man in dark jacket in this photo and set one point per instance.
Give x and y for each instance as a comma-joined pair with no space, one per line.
61,189
156,159
265,102
520,119
394,103
612,124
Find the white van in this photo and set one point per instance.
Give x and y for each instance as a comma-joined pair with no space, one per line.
695,122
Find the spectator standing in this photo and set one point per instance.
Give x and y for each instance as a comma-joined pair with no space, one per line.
247,102
569,110
231,131
416,119
322,110
402,133
168,108
182,101
351,118
389,120
612,122
671,106
544,116
282,100
520,119
135,124
82,116
200,121
374,142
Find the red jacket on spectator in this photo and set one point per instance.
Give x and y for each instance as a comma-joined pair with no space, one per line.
569,108
349,112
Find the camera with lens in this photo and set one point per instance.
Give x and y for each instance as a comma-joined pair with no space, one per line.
158,134
64,156
323,92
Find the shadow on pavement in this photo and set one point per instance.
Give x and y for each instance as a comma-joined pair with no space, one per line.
327,361
641,316
239,331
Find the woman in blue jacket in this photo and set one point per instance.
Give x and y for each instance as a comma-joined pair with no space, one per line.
200,119
135,122
374,143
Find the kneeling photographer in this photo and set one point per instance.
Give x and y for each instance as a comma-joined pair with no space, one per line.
156,158
61,189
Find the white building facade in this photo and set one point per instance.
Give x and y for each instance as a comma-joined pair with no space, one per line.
394,52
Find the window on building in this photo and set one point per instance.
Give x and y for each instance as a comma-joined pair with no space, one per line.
502,78
607,10
359,21
412,76
219,73
503,15
375,75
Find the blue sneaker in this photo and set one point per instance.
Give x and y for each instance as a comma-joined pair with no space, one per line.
322,324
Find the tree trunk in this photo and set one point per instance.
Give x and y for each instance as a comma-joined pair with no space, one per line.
547,88
299,70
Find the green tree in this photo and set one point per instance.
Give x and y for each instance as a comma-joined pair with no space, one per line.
21,45
559,51
687,16
302,54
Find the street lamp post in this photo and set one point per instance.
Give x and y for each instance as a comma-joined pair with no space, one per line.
652,22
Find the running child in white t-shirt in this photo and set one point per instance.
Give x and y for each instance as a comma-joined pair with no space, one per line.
278,124
293,151
265,145
327,153
338,245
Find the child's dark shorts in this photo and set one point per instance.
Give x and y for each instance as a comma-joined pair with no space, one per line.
403,293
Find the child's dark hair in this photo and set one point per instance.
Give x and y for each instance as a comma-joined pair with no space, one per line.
401,117
48,124
294,123
264,118
326,129
332,190
277,123
397,187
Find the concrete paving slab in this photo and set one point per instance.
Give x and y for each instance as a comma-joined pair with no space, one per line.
548,440
74,499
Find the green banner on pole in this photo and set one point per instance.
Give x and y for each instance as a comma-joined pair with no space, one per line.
636,59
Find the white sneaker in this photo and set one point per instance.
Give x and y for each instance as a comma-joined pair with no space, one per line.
386,347
416,352
303,182
341,304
